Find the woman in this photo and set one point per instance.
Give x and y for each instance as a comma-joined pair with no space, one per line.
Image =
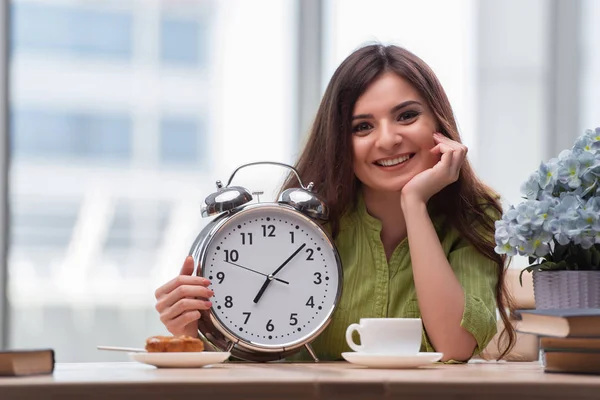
385,153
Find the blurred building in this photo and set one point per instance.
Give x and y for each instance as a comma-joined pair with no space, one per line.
114,108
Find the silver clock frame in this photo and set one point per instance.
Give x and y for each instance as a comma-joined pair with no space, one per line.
216,333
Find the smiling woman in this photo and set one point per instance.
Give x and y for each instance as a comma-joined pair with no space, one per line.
386,152
385,155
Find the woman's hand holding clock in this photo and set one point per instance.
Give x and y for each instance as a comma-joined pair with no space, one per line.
180,300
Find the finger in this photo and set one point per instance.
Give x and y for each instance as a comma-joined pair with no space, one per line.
440,138
183,292
179,323
441,148
458,147
183,306
436,149
459,157
188,266
446,160
180,280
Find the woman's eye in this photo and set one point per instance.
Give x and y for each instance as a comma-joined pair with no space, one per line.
408,115
363,126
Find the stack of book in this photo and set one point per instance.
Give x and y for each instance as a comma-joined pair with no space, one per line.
569,339
26,362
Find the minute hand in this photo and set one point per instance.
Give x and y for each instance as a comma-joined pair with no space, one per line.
289,259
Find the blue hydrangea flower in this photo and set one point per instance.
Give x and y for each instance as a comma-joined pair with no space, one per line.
561,206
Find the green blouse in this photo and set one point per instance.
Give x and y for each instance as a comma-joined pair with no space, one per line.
376,288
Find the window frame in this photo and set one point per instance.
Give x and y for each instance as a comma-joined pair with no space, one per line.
4,163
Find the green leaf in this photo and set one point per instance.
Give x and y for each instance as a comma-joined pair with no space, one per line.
595,255
582,258
586,258
532,260
521,276
553,266
531,268
559,250
570,262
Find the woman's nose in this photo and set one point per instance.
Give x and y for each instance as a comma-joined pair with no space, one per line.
389,135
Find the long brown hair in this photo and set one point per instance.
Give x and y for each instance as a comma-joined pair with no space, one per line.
327,157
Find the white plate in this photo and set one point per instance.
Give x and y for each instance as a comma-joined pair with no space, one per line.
391,360
181,360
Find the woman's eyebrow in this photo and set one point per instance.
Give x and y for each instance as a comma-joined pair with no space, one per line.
402,105
392,111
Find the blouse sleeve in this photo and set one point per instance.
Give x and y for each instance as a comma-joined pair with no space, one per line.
478,276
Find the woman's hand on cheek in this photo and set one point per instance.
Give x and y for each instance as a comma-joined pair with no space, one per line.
424,185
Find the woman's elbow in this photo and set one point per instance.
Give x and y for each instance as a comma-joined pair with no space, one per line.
459,350
459,355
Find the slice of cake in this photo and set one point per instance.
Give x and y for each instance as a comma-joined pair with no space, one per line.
173,344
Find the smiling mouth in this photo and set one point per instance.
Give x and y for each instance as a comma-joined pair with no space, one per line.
392,162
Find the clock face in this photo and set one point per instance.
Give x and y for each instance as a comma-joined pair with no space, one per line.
275,276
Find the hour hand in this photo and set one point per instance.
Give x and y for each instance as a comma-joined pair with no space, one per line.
262,289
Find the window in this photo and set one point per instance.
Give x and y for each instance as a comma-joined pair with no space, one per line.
179,141
115,107
78,31
590,65
182,41
42,133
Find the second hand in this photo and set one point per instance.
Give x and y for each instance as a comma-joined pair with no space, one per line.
256,272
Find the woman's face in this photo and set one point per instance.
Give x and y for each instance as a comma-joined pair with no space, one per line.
392,134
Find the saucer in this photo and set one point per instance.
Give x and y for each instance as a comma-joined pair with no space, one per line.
391,360
181,360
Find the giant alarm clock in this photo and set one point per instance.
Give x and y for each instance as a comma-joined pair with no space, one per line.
274,270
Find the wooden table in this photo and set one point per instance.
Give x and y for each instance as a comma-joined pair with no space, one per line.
340,380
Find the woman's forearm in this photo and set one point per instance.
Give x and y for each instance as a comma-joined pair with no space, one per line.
440,295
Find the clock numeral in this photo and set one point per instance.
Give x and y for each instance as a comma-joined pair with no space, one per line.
319,280
310,255
247,314
311,302
231,255
270,229
221,276
228,301
270,326
292,236
244,238
293,319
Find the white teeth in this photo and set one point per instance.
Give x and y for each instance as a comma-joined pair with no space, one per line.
393,161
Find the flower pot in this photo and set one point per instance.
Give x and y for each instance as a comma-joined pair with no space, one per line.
566,289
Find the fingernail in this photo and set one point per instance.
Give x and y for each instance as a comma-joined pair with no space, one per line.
207,281
212,293
208,304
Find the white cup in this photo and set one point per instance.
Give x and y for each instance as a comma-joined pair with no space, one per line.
386,336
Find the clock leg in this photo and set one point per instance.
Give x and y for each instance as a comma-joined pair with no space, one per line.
311,352
230,347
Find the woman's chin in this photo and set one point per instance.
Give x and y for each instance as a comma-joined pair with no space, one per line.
387,188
